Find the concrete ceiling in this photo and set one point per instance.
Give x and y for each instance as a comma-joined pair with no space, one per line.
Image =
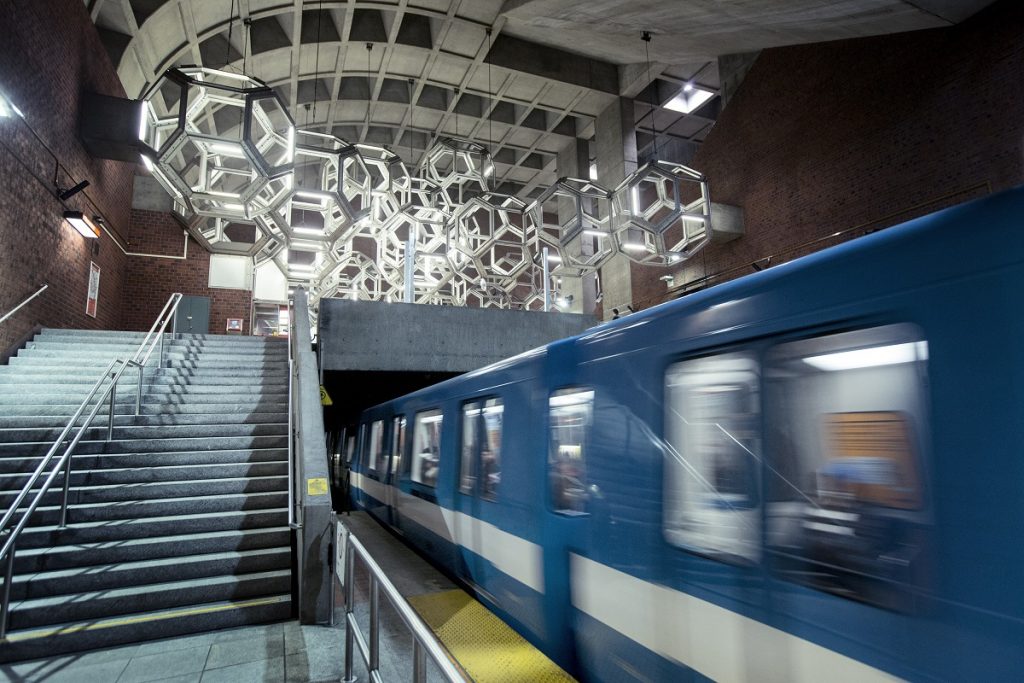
527,89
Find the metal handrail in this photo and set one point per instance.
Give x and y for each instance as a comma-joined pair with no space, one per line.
425,643
10,536
23,303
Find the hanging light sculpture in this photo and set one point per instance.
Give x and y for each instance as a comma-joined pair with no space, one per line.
573,219
663,213
220,143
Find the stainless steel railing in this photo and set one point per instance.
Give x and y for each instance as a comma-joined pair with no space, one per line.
23,303
425,644
9,533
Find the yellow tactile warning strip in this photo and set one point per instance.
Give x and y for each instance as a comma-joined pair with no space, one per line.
143,618
483,645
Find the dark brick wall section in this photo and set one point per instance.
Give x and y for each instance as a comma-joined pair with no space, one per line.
868,132
151,281
50,55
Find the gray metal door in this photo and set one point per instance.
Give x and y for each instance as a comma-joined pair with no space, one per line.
193,315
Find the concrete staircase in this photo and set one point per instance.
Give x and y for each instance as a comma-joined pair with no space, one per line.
177,525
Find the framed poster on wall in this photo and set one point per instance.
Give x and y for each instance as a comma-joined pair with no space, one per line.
93,297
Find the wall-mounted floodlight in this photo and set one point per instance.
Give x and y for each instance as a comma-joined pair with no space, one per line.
83,224
65,195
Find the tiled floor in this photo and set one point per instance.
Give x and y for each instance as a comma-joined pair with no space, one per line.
278,652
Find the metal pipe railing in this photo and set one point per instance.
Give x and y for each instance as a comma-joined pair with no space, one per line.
425,643
23,303
10,535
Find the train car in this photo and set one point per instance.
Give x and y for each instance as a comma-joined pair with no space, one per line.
811,473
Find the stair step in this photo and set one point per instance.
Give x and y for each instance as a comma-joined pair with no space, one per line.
23,449
144,527
116,461
147,548
43,421
153,473
159,507
253,404
202,362
157,596
148,491
81,371
146,432
40,585
106,632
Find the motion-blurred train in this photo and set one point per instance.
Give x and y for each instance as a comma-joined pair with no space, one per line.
813,473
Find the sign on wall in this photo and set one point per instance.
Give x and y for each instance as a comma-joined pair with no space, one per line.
234,325
93,297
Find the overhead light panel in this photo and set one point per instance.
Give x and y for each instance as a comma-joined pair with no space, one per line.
83,224
689,99
875,356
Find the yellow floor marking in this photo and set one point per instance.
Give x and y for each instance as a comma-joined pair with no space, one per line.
78,628
483,645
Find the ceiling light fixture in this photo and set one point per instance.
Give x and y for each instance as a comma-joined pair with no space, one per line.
689,100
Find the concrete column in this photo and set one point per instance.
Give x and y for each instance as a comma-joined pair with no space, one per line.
615,137
572,162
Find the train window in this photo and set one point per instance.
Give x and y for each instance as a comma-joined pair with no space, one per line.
844,496
397,444
481,439
713,456
470,445
376,443
570,413
350,449
426,447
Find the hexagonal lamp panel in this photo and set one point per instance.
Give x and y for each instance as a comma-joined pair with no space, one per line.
461,168
663,213
573,219
228,236
488,231
221,142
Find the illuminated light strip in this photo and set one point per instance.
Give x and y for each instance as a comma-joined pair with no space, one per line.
517,557
714,641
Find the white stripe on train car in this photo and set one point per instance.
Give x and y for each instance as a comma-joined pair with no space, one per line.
521,559
716,642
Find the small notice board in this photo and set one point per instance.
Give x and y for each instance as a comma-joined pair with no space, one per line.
92,300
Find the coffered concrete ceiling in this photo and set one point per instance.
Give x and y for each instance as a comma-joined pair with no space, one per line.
526,89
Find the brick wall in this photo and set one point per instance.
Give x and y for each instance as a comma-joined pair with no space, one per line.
52,57
151,281
861,134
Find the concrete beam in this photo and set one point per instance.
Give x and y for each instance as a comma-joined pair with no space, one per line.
376,336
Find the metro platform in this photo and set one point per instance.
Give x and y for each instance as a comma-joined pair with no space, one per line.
481,646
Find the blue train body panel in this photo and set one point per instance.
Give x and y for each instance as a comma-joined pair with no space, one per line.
811,471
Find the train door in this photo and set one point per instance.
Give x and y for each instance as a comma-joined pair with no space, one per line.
568,428
394,467
480,449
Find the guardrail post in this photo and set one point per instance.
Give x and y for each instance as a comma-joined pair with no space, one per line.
8,578
64,497
374,624
419,662
113,402
350,621
138,394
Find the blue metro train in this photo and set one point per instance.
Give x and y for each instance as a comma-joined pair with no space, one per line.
813,473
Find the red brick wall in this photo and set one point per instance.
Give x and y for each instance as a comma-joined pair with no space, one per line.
868,132
151,281
49,56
